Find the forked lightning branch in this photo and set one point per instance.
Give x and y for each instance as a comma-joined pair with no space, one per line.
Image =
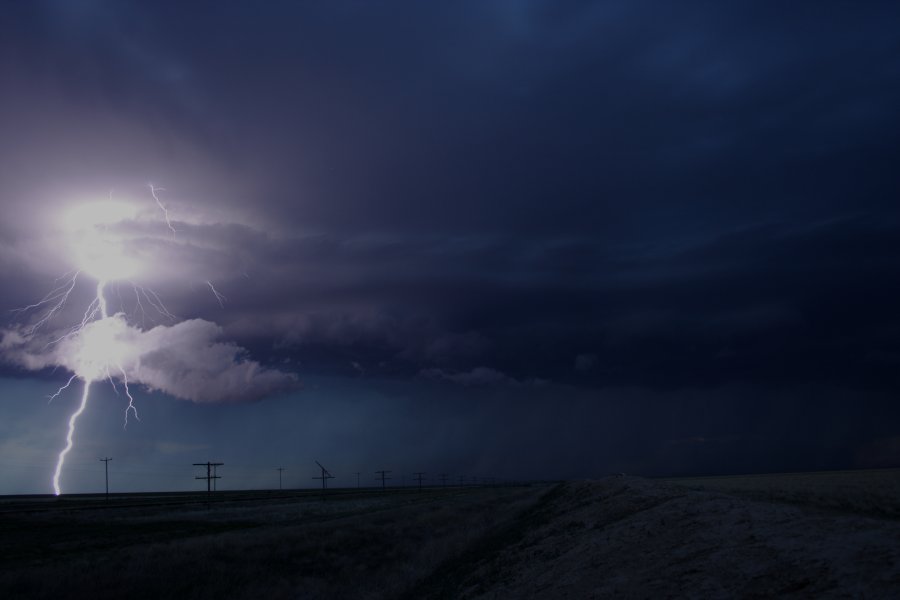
97,345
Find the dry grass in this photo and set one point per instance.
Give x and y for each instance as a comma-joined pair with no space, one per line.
634,538
375,547
623,537
872,492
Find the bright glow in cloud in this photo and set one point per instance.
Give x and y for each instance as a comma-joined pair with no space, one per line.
95,248
95,349
187,360
113,240
106,241
88,215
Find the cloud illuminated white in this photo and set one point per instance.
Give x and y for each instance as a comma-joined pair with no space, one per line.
126,246
187,360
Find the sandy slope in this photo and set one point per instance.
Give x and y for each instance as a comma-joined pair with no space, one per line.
635,538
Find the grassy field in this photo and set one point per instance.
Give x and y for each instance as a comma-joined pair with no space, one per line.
624,537
873,492
370,545
785,535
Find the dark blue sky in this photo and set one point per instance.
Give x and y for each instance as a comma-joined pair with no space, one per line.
511,238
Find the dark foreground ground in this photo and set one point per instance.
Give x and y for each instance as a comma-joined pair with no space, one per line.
806,535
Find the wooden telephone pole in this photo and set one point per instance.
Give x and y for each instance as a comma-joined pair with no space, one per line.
383,477
210,477
105,462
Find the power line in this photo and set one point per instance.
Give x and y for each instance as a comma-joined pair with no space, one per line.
279,469
383,477
418,477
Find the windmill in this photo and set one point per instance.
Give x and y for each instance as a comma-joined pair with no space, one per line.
325,476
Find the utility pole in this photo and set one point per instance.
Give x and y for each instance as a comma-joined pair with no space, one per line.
210,476
279,469
383,477
443,477
418,477
325,476
357,480
462,478
105,462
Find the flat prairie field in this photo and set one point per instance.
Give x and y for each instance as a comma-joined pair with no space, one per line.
874,492
792,535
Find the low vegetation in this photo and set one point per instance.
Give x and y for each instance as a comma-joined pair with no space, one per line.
808,535
871,492
374,546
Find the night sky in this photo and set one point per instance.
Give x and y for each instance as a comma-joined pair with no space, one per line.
517,238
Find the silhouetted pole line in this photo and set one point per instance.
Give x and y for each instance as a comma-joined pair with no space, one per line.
443,477
279,469
384,477
105,462
210,476
418,477
325,476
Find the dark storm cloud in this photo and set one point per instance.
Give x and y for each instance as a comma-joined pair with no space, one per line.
769,303
411,116
648,196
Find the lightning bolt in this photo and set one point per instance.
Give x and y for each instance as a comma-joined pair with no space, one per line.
100,303
97,310
53,301
60,390
130,406
70,437
99,358
44,310
216,293
162,207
